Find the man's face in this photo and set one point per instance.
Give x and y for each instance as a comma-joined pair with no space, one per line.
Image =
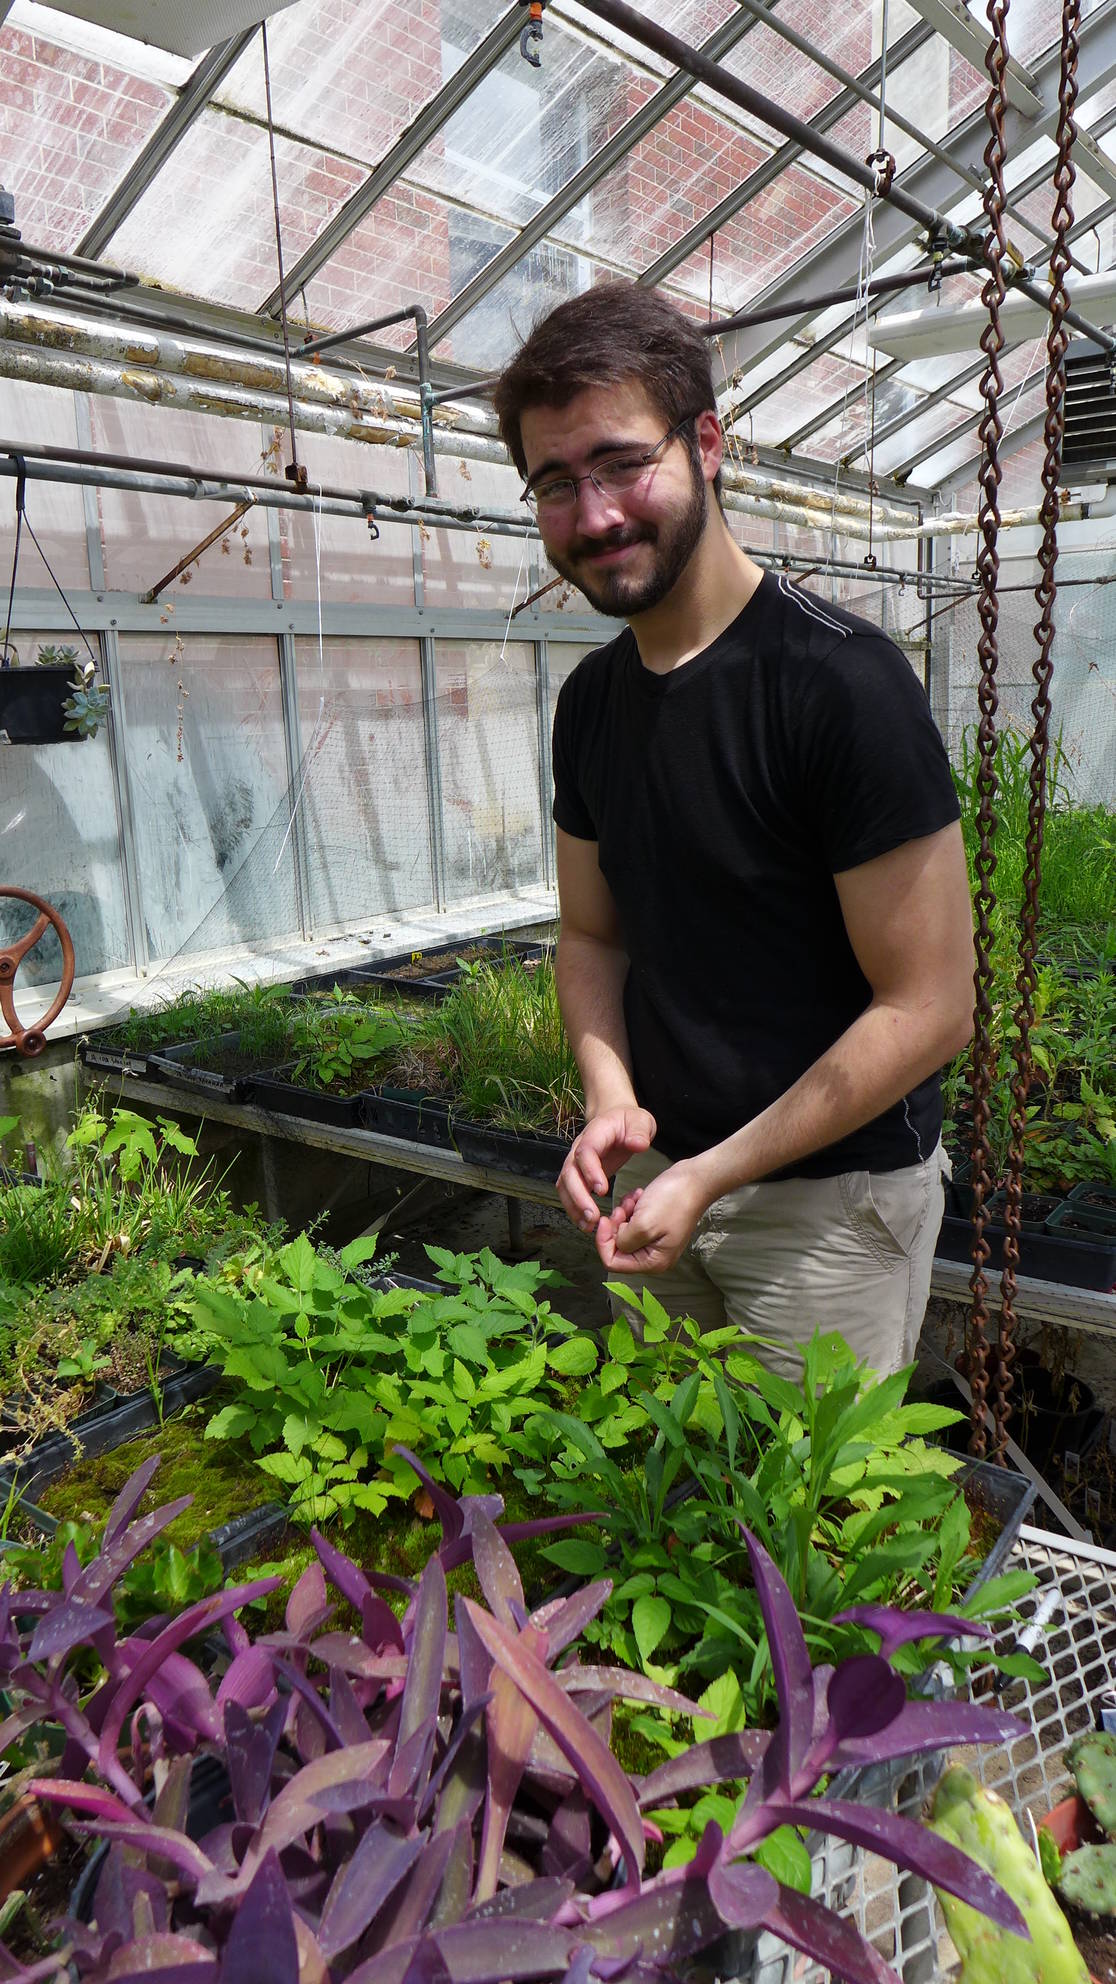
625,551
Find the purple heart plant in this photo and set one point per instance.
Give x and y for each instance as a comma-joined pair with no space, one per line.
401,1803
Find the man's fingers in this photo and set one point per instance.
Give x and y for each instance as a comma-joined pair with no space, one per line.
576,1196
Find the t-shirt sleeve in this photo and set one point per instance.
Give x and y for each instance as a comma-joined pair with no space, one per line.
569,810
876,773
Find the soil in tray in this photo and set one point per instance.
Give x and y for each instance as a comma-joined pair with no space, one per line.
435,961
48,1894
1097,1944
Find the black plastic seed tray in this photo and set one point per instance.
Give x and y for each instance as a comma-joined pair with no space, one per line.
537,1157
427,973
183,1066
1077,1262
275,1091
105,1428
112,1060
407,1113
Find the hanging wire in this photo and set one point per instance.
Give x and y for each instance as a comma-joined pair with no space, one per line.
988,570
295,472
20,497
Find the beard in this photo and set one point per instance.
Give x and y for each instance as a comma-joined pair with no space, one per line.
622,594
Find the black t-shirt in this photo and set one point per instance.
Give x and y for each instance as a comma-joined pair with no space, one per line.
724,797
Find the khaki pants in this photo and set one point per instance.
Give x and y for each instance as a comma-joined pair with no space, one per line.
851,1253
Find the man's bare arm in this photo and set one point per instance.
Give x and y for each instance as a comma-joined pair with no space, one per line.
592,966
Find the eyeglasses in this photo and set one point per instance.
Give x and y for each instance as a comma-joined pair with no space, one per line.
559,492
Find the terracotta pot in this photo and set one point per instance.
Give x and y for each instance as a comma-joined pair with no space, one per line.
1070,1825
29,1834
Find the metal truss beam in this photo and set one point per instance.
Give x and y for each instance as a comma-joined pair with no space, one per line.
756,182
189,104
594,169
933,181
395,161
953,21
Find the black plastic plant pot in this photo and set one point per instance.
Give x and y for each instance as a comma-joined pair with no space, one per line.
106,1427
276,1093
1078,1261
1093,1203
407,1113
32,706
959,1189
540,1158
183,1065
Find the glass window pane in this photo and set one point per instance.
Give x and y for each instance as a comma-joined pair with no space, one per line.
145,535
469,568
351,74
363,780
70,126
206,224
350,565
59,838
488,746
42,414
753,249
682,169
414,247
206,753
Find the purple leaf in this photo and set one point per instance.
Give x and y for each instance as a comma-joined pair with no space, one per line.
535,1901
741,1891
340,1782
379,1626
895,1628
180,1692
617,1683
341,1571
162,1841
448,1509
129,1499
308,1605
721,1758
250,1749
495,1566
71,1568
566,1618
922,1726
195,1619
174,1959
70,1623
909,1845
594,1763
466,1723
249,1678
345,1708
473,1659
865,1695
261,1943
418,1901
670,1918
568,1850
790,1665
81,1798
510,1723
427,1648
427,1965
380,1863
809,1926
99,1577
485,1952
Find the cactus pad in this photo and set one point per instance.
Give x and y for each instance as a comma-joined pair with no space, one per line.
982,1825
1092,1759
1089,1879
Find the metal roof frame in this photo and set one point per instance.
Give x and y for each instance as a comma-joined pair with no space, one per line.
624,140
953,21
192,99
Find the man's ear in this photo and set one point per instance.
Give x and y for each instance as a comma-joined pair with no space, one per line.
711,442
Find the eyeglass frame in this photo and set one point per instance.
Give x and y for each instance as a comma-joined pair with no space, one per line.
528,495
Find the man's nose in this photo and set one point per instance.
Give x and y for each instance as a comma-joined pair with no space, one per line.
594,511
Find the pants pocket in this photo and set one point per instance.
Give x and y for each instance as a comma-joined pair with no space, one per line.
888,1209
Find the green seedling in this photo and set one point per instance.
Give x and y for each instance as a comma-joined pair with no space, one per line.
85,1362
981,1824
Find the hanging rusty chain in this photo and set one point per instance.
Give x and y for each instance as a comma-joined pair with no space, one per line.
1042,669
988,571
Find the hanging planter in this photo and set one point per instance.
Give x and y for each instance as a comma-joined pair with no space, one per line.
53,702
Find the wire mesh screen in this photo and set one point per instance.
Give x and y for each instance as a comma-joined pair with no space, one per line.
1083,691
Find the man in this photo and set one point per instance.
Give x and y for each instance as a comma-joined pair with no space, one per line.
766,943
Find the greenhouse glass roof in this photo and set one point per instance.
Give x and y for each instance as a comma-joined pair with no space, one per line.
419,159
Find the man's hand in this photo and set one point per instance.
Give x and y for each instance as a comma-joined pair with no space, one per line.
606,1142
650,1228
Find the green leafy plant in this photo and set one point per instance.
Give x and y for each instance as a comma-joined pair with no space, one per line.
84,1362
337,1044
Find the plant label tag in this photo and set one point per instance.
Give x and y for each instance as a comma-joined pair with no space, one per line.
1093,1502
1071,1466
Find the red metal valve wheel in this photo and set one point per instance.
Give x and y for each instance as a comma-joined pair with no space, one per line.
31,1040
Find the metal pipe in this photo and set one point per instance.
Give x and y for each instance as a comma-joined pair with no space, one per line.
195,552
804,305
629,21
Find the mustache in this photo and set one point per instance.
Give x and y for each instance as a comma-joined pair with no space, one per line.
615,540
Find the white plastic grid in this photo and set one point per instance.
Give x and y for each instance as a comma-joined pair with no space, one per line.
1072,1614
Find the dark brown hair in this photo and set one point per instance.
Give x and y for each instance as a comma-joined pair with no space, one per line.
615,332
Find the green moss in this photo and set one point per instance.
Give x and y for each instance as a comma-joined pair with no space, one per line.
221,1476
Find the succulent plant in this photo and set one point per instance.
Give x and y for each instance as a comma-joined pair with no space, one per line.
980,1823
1092,1759
412,1805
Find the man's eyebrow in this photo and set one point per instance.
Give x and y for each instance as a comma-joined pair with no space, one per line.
554,464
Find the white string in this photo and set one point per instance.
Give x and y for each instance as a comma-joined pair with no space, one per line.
864,274
1027,369
297,802
511,609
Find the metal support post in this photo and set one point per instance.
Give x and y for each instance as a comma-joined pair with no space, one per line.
116,729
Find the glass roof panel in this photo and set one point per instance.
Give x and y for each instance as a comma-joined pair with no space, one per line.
934,89
523,132
1033,26
691,20
682,169
757,245
413,247
205,224
849,35
823,384
70,125
351,74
